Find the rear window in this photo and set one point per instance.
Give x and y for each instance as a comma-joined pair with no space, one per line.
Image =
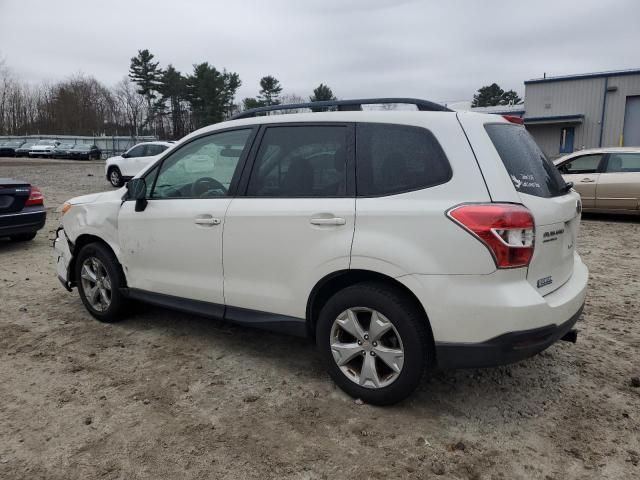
530,171
397,158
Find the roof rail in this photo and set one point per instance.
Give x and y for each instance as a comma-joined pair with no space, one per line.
345,105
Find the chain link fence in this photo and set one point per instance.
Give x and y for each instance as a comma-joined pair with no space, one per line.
109,146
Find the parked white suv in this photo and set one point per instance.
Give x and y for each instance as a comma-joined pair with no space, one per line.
122,168
400,240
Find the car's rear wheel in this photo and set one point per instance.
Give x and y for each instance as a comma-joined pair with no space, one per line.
100,278
115,177
374,341
23,237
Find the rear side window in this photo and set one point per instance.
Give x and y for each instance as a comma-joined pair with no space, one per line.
530,171
397,158
623,162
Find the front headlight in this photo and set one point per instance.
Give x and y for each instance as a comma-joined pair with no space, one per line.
66,206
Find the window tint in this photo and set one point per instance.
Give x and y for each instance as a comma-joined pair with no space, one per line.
308,161
623,162
203,168
149,178
530,171
155,150
584,164
397,158
137,151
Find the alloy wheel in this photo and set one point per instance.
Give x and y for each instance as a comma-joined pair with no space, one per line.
367,347
96,284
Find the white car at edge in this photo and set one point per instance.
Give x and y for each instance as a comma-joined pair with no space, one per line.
121,168
400,241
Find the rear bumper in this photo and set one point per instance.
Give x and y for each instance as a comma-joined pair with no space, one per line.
28,220
483,320
504,349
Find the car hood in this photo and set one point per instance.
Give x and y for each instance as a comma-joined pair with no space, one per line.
43,147
114,159
95,197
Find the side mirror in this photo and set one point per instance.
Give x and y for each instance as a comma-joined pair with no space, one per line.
125,155
137,190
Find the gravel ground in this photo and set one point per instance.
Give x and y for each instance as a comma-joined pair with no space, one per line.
168,395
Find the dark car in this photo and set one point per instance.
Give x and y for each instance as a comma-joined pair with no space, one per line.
23,150
22,211
84,151
8,148
62,150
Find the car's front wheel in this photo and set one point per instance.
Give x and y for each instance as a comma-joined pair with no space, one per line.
115,177
374,342
100,278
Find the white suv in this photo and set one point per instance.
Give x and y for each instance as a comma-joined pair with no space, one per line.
122,168
400,240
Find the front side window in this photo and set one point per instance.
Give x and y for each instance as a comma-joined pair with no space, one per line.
137,151
398,158
623,162
584,164
301,161
203,168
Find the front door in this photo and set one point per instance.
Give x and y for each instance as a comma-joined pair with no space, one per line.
583,172
567,135
174,246
619,183
295,223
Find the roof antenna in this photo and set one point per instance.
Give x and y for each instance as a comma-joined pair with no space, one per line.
544,75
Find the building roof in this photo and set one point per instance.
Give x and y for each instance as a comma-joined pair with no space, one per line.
584,76
576,118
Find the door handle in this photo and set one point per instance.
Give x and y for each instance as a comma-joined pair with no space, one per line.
328,221
587,180
207,221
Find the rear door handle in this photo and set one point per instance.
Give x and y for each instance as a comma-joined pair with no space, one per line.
587,180
208,220
328,221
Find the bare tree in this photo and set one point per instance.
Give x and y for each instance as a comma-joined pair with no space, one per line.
131,104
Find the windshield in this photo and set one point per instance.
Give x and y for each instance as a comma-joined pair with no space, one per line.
530,170
82,147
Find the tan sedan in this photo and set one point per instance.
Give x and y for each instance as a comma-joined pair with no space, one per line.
606,178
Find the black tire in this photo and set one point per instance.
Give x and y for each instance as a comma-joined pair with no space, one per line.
115,177
23,237
118,304
409,322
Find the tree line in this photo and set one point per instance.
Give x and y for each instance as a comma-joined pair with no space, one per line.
151,100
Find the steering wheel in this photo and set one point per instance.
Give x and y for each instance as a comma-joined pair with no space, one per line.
205,184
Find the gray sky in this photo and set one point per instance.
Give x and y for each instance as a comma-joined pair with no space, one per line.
439,50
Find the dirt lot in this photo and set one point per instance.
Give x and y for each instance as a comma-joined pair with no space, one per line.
167,395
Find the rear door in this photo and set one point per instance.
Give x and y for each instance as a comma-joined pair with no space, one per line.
584,172
619,183
13,195
295,222
542,190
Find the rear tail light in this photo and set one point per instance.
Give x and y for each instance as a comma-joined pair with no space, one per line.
35,197
514,119
507,230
